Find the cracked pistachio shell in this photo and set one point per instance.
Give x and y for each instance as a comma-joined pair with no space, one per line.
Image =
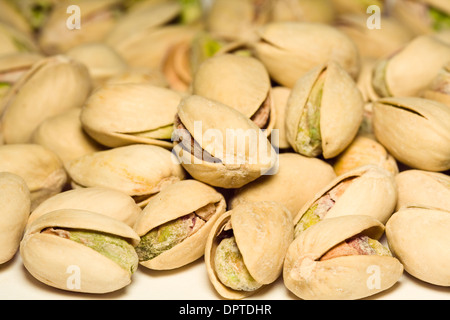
230,150
176,201
240,82
263,231
122,114
439,89
291,49
339,103
51,258
64,135
41,169
107,201
372,192
419,238
137,170
53,85
423,188
339,278
411,70
297,180
16,202
415,131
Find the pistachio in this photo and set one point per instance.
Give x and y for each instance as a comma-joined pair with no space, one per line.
16,202
405,127
246,247
418,236
153,77
321,11
280,97
10,15
15,41
346,258
35,12
174,226
100,247
439,89
324,112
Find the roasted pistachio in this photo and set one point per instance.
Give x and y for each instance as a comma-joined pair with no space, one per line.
35,12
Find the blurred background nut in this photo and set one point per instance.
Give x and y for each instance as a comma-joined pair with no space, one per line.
13,41
280,98
418,236
357,6
10,15
35,12
15,199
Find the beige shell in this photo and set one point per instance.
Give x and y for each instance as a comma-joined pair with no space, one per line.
240,82
13,17
439,89
137,170
415,131
175,201
341,109
263,231
41,169
297,180
340,278
372,192
291,49
64,135
122,114
364,80
354,7
52,259
241,151
321,11
53,85
423,188
419,238
280,97
16,202
13,40
107,201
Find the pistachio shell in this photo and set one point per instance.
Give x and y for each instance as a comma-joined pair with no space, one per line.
16,201
263,231
49,257
280,97
341,108
123,114
321,11
137,170
140,75
345,277
415,131
419,238
178,200
423,188
14,41
297,180
13,17
439,89
53,85
220,132
41,169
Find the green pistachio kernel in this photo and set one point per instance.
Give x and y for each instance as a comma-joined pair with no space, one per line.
307,220
379,79
440,20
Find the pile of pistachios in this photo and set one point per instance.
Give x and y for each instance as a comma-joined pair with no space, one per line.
307,140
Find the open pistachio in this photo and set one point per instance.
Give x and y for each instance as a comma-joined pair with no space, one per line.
53,85
82,251
219,145
138,170
41,169
324,112
423,188
415,131
348,263
290,49
439,89
140,75
174,225
246,248
368,190
239,82
16,201
123,114
297,180
418,236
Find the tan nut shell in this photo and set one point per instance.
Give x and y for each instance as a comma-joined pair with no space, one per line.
415,131
47,257
263,231
297,180
137,170
115,114
423,188
439,89
373,192
280,97
419,238
342,277
236,169
109,202
341,110
16,202
175,201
